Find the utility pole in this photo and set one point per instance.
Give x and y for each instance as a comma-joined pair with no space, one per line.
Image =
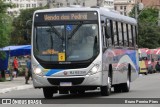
136,10
159,18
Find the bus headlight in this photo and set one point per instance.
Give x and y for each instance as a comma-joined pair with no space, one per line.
94,69
38,71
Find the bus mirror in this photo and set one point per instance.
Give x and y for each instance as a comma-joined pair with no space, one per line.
27,34
28,24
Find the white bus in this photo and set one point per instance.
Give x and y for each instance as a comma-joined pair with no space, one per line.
79,49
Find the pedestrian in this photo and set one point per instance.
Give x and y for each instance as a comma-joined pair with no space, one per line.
28,72
158,66
15,65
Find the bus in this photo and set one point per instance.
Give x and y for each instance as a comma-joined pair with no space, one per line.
145,65
155,58
85,48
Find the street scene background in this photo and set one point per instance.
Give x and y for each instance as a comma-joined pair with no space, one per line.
15,34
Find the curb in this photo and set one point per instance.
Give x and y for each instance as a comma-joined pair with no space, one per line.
22,87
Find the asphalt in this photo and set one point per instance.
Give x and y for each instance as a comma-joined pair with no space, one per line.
15,84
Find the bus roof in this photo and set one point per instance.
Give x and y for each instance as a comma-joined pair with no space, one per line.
103,12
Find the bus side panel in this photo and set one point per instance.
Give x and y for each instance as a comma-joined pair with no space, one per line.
135,71
119,59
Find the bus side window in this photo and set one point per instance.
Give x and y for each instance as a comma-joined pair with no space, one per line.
130,35
136,34
120,34
108,32
133,35
112,32
104,33
108,29
127,35
117,34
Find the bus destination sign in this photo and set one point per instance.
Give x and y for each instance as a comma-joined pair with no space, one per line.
73,16
65,16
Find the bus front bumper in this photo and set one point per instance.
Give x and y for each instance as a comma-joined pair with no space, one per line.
68,81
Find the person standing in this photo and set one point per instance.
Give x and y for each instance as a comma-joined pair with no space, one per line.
15,65
158,66
28,72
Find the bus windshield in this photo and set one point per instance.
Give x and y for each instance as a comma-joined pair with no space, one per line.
66,42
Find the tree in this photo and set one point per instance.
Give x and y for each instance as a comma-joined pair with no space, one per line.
21,28
148,29
5,25
149,36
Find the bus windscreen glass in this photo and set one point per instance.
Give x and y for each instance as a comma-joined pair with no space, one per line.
73,39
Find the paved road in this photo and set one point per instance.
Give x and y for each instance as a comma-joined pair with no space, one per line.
144,87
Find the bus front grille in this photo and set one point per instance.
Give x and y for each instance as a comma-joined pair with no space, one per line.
74,81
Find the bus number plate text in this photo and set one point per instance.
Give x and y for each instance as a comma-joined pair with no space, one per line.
65,84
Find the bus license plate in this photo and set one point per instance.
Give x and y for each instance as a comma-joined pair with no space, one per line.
65,84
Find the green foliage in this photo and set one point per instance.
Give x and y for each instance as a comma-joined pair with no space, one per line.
20,27
5,26
149,36
4,6
148,29
149,15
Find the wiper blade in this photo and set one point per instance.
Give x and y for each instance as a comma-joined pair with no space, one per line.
75,30
54,30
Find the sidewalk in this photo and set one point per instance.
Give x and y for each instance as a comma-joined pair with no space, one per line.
16,84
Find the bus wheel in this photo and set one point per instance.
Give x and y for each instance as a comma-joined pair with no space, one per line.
106,90
126,86
48,92
117,88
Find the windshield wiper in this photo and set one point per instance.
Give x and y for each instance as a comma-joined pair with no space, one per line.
75,30
54,30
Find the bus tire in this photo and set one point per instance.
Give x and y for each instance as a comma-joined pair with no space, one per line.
48,92
106,90
117,88
126,86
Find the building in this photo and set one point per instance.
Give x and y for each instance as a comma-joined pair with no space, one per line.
108,4
23,4
150,3
41,3
65,3
124,7
85,3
